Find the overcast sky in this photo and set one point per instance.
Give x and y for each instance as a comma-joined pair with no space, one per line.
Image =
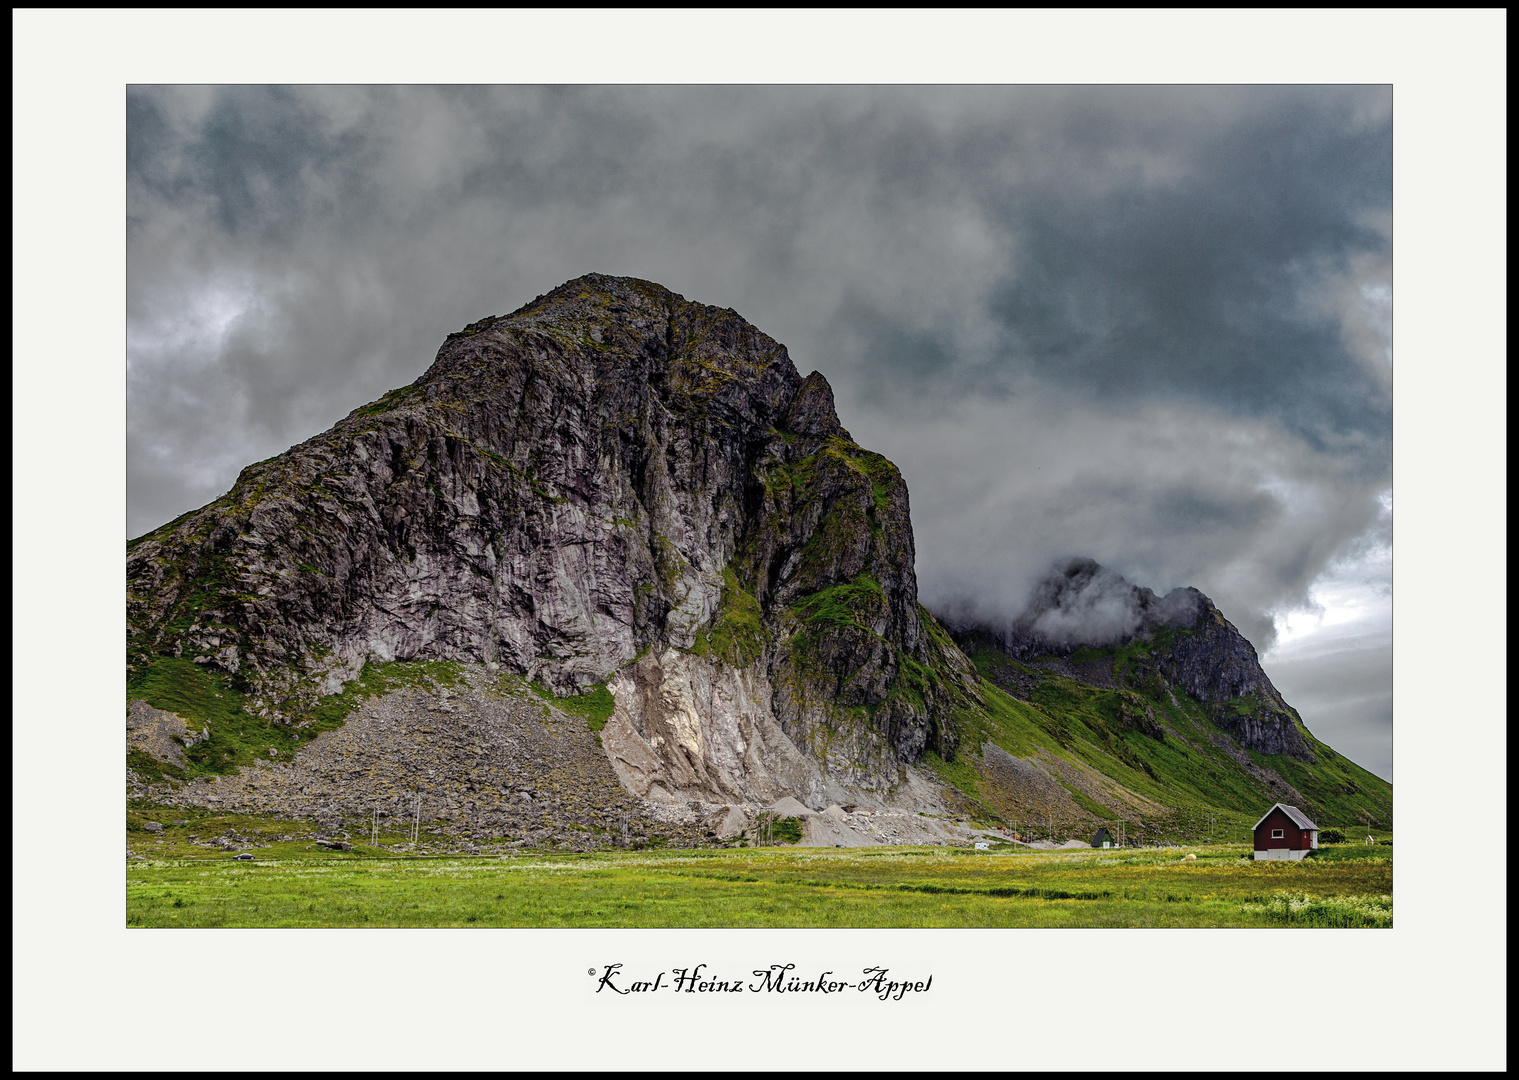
1147,325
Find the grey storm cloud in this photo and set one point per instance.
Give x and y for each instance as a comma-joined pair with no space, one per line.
1148,325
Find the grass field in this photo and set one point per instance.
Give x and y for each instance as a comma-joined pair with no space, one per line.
1342,886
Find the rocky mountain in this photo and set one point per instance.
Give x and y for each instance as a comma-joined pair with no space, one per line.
612,486
1091,649
610,568
1080,606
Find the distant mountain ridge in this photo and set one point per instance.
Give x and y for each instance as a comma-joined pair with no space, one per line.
1080,605
1166,684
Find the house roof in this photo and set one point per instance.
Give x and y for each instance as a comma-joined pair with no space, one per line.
1297,817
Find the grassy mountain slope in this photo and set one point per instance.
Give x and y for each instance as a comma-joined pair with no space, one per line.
1116,742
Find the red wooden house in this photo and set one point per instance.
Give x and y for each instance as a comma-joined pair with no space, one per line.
1285,833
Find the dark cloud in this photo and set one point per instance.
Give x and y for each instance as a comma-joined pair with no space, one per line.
1165,258
1145,324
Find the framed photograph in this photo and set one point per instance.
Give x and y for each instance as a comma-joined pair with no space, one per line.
659,551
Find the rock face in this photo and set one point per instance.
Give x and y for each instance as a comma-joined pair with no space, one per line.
687,728
1214,663
1082,605
612,484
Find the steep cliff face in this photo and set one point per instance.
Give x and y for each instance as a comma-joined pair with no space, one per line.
1214,663
610,485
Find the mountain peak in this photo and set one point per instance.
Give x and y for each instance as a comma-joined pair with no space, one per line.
1079,603
1080,606
610,483
633,291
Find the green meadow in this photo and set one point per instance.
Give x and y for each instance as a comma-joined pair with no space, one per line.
1346,885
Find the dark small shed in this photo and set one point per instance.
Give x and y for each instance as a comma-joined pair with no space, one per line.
1285,832
1102,838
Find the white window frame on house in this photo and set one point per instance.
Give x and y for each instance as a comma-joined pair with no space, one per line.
1276,834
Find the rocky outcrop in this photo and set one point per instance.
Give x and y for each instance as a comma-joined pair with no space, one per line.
160,734
1214,663
608,473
